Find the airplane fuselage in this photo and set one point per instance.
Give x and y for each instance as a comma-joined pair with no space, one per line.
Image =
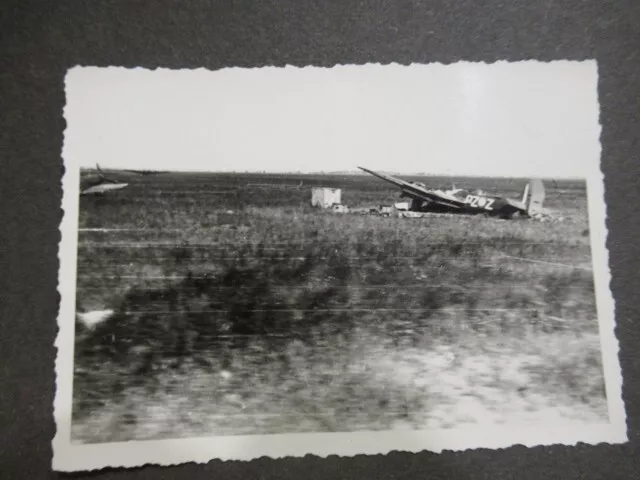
473,204
470,202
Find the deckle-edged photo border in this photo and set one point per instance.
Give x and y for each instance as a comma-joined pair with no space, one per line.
75,457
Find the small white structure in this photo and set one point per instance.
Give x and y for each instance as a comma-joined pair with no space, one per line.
326,197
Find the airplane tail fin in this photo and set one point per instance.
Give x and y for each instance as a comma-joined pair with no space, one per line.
99,171
534,195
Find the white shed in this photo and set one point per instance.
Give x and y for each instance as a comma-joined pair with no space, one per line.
325,197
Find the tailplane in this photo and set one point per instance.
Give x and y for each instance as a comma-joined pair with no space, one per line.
533,197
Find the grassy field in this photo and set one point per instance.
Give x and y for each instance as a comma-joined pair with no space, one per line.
242,310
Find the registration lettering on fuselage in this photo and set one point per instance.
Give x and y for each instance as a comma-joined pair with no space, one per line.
477,201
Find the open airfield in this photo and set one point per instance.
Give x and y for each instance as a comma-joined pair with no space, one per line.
240,309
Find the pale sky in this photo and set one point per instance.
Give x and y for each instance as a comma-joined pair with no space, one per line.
508,119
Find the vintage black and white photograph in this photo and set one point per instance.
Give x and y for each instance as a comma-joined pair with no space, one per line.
358,259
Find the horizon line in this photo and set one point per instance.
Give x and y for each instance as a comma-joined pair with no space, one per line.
332,172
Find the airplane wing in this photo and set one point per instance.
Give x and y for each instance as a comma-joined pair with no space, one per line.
416,191
102,187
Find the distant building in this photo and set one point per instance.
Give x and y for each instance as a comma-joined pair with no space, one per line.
326,197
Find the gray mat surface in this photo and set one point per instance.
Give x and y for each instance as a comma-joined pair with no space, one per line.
40,40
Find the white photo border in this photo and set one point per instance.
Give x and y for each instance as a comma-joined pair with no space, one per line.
71,457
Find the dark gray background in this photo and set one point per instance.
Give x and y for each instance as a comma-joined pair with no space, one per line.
39,41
